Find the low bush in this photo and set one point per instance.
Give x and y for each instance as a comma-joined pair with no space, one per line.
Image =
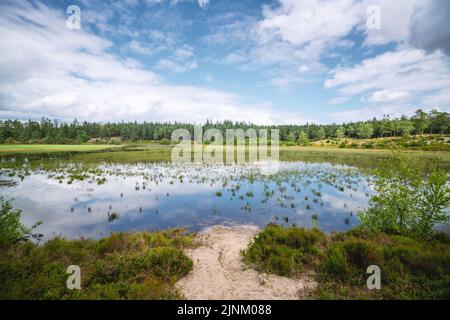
411,268
284,251
122,266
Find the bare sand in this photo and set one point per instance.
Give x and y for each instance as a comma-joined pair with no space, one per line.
220,274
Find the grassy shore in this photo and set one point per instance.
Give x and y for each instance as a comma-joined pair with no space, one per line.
410,268
146,265
366,158
14,149
121,266
427,142
141,153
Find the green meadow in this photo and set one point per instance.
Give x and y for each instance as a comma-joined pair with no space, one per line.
153,152
13,149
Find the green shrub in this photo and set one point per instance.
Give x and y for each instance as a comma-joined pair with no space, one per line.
284,251
335,263
411,268
164,263
11,229
122,266
362,253
411,198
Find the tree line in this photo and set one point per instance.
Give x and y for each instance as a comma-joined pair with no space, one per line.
53,131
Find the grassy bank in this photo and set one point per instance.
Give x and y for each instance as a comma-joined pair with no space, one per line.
410,268
36,149
96,154
363,158
121,266
427,142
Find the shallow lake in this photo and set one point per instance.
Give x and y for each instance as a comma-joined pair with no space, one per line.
92,203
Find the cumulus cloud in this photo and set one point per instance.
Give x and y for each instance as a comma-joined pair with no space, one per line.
305,22
384,96
395,20
293,34
292,37
393,77
49,70
430,27
323,21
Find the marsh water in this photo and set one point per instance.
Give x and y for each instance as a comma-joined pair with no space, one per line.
73,202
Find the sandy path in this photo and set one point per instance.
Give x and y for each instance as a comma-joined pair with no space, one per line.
219,272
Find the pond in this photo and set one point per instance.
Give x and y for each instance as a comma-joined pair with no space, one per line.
74,202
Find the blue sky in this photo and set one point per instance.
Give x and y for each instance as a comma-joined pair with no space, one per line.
268,61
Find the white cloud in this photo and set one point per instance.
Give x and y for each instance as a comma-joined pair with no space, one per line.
393,76
183,53
440,100
309,21
293,36
395,20
176,67
181,61
383,96
339,100
137,47
324,21
48,70
295,33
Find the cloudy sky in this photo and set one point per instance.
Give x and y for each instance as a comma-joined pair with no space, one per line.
265,61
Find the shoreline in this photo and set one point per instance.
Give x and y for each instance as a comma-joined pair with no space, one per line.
219,272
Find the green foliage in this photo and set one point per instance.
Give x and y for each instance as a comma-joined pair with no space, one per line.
121,266
164,263
364,130
412,198
303,138
284,251
340,133
54,132
410,268
11,229
321,134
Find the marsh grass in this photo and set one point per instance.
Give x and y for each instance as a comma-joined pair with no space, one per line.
284,251
96,154
410,268
141,265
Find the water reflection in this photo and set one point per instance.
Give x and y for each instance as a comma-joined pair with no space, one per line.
74,202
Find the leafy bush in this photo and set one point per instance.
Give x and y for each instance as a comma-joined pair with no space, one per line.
410,268
11,229
412,198
335,263
284,251
123,266
164,263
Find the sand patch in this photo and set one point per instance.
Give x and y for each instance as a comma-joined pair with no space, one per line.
220,274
